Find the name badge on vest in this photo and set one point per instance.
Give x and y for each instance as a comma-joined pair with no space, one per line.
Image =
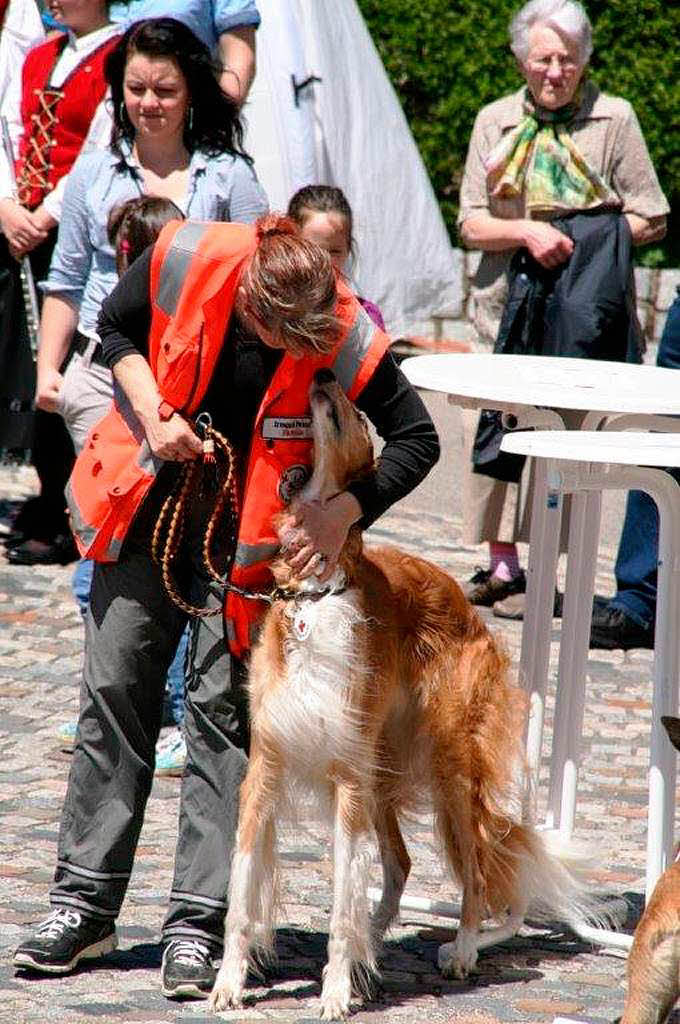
287,428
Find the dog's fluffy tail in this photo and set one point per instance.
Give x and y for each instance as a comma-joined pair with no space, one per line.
546,873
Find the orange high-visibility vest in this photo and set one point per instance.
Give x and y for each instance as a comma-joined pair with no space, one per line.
195,271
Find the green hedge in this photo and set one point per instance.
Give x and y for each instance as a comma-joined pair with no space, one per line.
447,59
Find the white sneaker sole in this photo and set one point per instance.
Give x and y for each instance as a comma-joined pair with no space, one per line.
97,949
189,989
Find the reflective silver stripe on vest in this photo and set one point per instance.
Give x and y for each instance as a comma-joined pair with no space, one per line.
353,352
251,554
176,265
231,634
114,549
81,529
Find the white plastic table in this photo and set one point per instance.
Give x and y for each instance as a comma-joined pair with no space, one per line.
614,396
589,462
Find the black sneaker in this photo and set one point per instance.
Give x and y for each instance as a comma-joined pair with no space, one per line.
612,630
64,938
485,589
187,969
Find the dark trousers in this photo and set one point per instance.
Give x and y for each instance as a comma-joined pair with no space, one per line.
636,561
21,427
132,631
17,366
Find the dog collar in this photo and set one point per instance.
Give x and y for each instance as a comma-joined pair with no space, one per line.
309,592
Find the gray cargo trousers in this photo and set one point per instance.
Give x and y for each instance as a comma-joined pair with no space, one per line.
132,631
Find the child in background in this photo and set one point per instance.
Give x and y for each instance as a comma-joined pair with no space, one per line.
136,224
325,217
132,227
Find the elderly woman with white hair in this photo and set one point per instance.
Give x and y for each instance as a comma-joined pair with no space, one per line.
558,186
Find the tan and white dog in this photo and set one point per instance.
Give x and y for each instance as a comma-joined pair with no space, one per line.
654,959
378,690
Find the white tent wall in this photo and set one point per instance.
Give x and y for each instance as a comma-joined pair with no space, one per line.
279,130
349,130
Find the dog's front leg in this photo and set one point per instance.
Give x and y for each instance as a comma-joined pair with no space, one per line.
251,890
349,941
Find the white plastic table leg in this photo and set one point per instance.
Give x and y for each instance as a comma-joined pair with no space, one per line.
584,531
546,518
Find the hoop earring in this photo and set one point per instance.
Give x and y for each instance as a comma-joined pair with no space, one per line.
190,119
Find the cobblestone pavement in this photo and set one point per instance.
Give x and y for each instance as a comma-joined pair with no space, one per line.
542,974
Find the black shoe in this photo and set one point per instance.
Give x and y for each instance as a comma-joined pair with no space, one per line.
485,589
64,938
59,551
187,969
612,630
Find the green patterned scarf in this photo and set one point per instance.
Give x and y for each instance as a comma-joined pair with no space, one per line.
540,161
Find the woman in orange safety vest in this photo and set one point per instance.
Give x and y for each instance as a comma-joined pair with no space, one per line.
232,320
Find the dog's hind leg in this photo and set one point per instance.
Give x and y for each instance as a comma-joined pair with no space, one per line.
349,942
396,865
456,959
251,890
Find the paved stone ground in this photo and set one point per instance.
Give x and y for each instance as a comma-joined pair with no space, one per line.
542,974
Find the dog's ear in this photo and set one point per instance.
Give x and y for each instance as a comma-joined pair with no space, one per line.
672,727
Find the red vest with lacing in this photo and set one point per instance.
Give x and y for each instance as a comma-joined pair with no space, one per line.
55,121
195,271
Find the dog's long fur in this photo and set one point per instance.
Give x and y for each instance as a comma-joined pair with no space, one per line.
654,959
376,694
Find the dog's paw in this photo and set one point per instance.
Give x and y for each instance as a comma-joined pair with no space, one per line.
334,1009
227,992
222,998
457,959
335,995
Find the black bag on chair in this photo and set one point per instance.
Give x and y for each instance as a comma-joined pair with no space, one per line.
487,457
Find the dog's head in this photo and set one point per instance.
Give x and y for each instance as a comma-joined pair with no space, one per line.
343,450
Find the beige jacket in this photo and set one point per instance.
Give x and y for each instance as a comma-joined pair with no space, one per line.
607,133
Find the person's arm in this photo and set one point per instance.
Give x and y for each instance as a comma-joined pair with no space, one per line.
64,287
411,449
546,244
171,439
645,230
123,327
58,321
411,446
243,199
634,180
237,56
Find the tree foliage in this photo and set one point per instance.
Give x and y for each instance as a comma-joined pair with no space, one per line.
447,58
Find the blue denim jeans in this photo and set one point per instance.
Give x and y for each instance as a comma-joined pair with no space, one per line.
173,701
636,561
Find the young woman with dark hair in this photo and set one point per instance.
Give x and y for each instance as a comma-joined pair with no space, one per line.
175,136
212,121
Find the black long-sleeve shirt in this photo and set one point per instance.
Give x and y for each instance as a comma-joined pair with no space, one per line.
242,374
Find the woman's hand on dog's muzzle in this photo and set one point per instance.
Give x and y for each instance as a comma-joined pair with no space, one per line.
314,533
